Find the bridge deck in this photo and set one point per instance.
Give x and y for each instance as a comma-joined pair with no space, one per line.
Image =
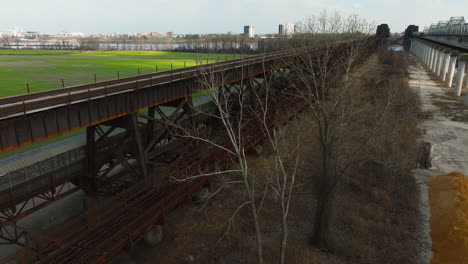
463,47
26,119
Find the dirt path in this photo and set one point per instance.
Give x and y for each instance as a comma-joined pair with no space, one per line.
448,138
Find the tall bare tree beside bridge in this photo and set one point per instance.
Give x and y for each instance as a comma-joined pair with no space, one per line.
286,152
247,113
324,79
231,111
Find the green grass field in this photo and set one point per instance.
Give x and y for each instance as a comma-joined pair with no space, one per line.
44,70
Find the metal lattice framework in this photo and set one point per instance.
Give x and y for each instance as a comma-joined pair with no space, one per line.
456,26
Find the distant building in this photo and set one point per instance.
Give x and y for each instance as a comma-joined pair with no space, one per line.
31,34
286,29
6,33
15,33
70,35
249,31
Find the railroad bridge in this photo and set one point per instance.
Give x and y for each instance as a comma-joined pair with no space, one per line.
443,48
129,148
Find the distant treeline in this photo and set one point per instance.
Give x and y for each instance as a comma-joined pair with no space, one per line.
213,43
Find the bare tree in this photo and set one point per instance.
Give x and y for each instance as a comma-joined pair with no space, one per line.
88,43
324,80
231,140
247,113
42,42
17,42
285,178
6,41
270,97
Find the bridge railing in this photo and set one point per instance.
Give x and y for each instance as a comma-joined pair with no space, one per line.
33,102
75,88
29,103
19,185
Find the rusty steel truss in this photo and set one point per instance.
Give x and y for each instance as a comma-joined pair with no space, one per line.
140,132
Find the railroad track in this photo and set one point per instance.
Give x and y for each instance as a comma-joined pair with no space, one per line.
75,243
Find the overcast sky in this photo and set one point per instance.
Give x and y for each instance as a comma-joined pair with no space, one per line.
211,16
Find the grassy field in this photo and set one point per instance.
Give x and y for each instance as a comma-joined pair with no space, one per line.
44,70
35,52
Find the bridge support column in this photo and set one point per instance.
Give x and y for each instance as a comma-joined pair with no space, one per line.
451,69
86,180
438,65
150,124
465,85
432,58
420,50
427,52
460,74
415,47
153,235
466,77
445,64
93,217
436,59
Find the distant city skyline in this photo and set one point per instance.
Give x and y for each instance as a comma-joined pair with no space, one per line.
210,16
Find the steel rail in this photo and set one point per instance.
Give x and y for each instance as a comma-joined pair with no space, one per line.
21,105
106,239
85,87
39,101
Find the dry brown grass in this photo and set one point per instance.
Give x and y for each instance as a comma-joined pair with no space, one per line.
375,208
374,212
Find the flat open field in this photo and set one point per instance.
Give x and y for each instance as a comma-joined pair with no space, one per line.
45,69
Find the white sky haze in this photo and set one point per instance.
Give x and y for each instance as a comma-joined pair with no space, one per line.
211,16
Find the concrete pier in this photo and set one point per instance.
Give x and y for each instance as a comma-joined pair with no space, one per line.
451,69
433,59
153,235
466,77
460,74
440,54
448,64
445,64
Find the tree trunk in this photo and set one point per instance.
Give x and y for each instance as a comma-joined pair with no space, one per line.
321,232
284,233
258,235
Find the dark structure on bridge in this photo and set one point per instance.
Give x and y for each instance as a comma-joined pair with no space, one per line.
410,31
383,31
